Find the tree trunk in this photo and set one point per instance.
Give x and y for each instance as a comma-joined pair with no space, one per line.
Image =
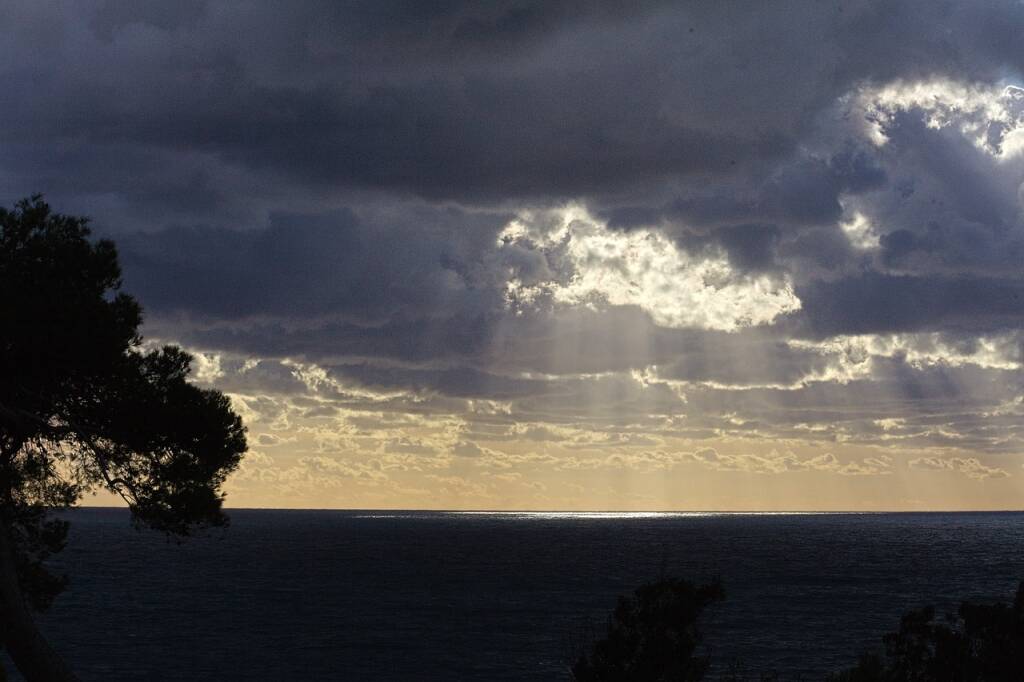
29,650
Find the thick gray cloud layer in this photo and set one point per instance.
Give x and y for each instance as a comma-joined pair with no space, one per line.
500,102
334,184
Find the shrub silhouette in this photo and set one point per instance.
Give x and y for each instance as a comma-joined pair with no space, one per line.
83,405
652,636
981,643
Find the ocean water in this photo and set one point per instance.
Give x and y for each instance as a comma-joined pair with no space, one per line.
328,595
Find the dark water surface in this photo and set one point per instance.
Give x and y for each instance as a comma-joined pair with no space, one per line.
324,595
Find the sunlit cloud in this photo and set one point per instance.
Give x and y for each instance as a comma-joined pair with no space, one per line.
587,264
860,232
987,115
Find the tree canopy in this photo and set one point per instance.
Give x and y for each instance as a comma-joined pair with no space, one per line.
85,404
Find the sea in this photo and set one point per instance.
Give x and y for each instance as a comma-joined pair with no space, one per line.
411,595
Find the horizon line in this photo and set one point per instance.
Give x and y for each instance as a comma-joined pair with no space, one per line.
621,512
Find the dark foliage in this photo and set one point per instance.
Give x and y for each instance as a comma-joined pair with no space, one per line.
981,643
83,404
652,636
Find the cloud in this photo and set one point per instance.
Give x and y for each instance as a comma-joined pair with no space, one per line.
969,467
778,463
603,232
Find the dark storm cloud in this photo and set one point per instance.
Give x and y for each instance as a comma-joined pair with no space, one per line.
873,303
461,382
750,247
377,268
496,102
797,191
418,340
954,208
394,98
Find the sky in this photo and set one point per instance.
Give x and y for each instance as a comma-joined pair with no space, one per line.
560,255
